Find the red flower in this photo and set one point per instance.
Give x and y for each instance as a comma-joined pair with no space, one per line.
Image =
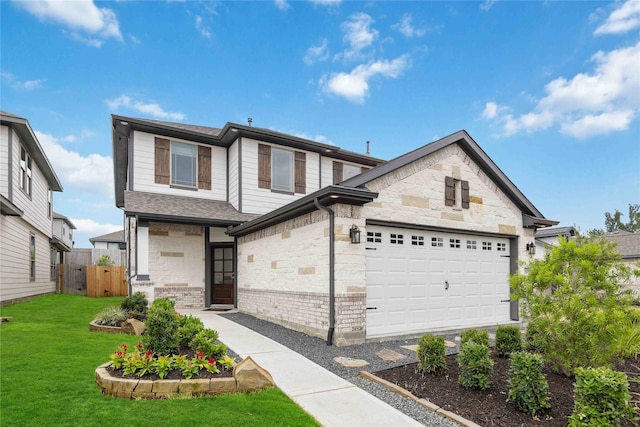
148,354
212,361
139,345
124,347
199,354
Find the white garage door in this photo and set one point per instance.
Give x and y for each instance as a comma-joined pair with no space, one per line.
424,280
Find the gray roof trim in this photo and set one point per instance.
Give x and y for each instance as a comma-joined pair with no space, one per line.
537,222
8,208
327,196
114,237
28,137
556,231
59,244
122,127
472,149
56,215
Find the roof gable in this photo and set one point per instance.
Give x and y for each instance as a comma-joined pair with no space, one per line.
473,150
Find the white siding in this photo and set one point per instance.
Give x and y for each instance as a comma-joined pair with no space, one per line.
259,200
36,207
144,175
234,197
62,231
14,260
4,159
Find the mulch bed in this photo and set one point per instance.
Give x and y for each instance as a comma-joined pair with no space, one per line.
489,407
172,375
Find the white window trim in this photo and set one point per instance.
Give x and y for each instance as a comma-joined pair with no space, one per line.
171,176
26,172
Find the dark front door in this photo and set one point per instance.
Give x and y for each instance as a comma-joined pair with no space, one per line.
223,275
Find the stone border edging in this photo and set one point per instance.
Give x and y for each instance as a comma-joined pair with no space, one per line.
94,327
429,405
247,377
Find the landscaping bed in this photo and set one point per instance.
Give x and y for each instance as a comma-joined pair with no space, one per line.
489,407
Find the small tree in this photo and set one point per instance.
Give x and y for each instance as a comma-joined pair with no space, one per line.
577,298
105,261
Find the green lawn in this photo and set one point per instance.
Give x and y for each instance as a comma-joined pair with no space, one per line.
47,363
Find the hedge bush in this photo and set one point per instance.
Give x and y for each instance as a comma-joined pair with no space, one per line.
536,339
528,387
431,355
205,341
475,335
602,398
188,329
135,303
476,366
161,333
508,340
164,303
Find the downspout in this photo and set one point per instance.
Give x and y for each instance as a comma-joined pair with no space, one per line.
332,258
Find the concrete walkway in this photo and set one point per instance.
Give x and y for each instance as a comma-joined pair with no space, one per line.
332,400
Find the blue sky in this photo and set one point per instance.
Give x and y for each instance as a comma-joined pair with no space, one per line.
550,90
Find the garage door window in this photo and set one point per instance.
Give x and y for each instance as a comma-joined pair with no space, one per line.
501,247
417,240
454,243
436,242
374,237
486,246
471,244
396,239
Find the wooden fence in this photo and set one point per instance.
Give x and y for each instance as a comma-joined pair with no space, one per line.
106,281
75,275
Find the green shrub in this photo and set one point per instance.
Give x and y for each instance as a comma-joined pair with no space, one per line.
602,398
577,299
431,355
111,316
476,366
536,338
475,335
508,340
135,303
205,341
628,344
528,387
161,333
188,329
164,303
105,261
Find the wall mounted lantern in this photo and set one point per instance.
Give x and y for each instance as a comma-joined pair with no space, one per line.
354,234
531,248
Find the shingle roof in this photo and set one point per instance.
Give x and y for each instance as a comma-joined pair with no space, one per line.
183,126
116,236
556,231
628,244
180,208
56,215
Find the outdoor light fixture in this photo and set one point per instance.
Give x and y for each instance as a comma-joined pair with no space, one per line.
531,248
354,233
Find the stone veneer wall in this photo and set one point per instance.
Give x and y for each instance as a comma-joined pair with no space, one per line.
184,297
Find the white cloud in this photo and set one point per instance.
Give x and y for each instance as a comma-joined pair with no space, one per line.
488,4
92,228
588,104
282,4
326,2
80,16
202,28
21,84
358,34
624,18
355,85
407,29
92,173
151,109
317,53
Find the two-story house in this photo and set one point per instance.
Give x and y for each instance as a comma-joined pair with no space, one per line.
27,183
113,240
316,238
61,243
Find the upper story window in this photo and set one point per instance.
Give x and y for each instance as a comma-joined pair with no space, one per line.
343,171
282,170
456,193
49,203
182,165
25,171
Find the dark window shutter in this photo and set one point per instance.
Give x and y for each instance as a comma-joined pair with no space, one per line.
264,166
337,172
363,169
162,161
204,167
465,194
301,173
449,191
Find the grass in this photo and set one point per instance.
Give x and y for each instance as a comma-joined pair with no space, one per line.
47,363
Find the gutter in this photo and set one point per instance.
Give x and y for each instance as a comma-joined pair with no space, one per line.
332,259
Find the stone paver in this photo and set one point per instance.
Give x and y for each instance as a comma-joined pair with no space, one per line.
411,347
389,355
348,362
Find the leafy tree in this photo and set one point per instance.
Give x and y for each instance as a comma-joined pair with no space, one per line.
576,297
614,222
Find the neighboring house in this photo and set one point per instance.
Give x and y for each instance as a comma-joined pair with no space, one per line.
61,241
27,183
243,217
628,245
113,240
547,238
